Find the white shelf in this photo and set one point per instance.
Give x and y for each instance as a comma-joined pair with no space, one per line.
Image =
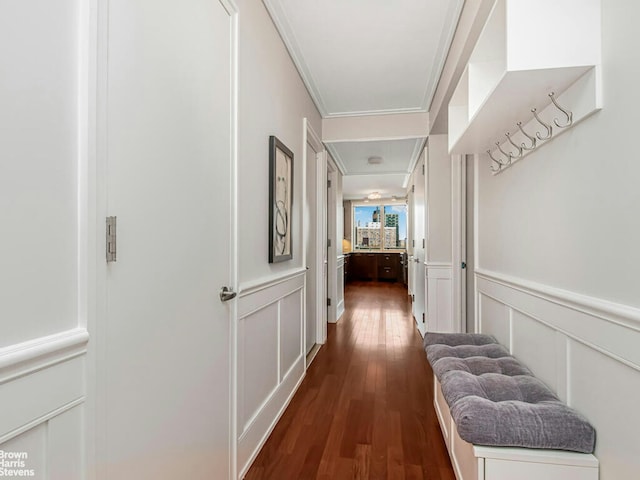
525,51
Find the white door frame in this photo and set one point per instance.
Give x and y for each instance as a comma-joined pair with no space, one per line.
311,138
331,234
458,239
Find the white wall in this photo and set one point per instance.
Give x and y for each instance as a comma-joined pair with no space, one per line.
374,127
47,235
565,220
576,199
272,101
438,252
438,212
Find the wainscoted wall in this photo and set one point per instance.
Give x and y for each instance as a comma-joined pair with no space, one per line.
42,385
48,235
439,295
340,283
584,348
270,358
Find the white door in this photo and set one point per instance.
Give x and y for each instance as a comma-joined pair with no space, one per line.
166,352
420,242
311,252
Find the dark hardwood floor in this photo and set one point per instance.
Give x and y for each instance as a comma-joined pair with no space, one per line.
365,408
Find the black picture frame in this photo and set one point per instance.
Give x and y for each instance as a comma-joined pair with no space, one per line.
280,201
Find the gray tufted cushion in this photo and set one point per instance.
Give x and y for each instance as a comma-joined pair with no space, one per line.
478,365
492,350
495,400
519,411
455,339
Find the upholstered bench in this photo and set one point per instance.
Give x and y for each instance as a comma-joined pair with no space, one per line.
499,421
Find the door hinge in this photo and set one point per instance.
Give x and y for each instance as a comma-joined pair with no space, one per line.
328,242
413,188
423,319
111,239
413,243
328,183
413,298
423,169
464,265
423,243
328,302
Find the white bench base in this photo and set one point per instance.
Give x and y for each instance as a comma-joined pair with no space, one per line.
473,462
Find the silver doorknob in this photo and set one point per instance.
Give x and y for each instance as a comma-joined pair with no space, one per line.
227,294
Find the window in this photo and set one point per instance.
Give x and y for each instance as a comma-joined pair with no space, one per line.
380,226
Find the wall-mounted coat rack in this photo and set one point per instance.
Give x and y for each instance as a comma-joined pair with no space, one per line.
531,141
520,89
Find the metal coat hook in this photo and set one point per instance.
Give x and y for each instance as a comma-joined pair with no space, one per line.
508,135
500,164
569,115
547,127
509,155
532,139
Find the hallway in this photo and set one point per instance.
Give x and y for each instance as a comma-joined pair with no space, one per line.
364,410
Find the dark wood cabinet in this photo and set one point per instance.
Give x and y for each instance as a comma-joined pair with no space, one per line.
375,266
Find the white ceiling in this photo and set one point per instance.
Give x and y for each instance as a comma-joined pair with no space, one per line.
397,156
369,57
356,187
389,177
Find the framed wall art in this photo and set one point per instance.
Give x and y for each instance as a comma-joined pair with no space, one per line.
280,201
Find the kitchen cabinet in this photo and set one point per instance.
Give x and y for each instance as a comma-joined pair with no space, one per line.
374,266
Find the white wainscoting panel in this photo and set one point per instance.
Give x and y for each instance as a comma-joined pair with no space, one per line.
340,283
258,363
270,358
290,331
66,445
439,298
585,348
48,225
494,317
53,449
532,337
43,390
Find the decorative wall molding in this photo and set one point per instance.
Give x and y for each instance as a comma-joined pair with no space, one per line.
438,265
614,312
254,286
254,437
439,297
584,348
340,296
41,419
270,358
267,292
34,354
26,357
55,388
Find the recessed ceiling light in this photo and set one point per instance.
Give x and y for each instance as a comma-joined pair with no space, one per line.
374,196
374,160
